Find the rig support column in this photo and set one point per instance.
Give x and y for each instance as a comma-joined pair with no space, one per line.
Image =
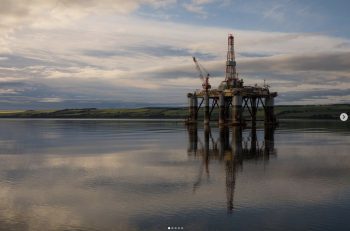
222,109
206,108
190,107
254,109
237,110
194,108
269,111
227,110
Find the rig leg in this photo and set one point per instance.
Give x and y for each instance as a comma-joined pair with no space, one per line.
237,110
206,109
254,109
269,110
194,108
222,109
227,110
190,108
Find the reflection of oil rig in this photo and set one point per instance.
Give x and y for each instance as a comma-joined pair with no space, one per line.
233,153
231,94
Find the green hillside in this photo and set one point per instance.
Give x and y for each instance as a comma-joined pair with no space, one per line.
282,112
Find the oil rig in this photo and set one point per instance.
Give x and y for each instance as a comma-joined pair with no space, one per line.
231,97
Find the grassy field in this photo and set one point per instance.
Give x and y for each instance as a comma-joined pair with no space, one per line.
282,112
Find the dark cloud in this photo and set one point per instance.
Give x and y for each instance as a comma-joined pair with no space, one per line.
312,69
27,103
293,96
87,94
105,54
310,62
321,62
254,54
14,8
156,50
21,61
214,68
164,50
76,93
18,61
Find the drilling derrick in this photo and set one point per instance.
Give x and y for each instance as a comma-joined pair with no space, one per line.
231,73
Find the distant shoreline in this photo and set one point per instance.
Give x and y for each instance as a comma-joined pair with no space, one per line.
282,112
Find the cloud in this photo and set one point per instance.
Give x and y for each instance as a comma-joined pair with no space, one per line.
315,96
149,50
51,100
286,15
11,79
197,7
7,91
17,61
278,11
47,14
103,55
336,61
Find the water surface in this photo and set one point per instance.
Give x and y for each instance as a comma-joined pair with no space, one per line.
127,175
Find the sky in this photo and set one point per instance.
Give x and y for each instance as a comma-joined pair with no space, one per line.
136,53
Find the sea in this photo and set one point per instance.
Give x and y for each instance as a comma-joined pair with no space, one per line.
128,175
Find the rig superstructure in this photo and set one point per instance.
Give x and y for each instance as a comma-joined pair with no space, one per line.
231,96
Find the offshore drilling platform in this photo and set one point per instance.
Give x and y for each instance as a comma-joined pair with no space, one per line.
232,98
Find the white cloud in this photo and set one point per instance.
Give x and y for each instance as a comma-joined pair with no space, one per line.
48,14
7,91
51,100
197,7
11,79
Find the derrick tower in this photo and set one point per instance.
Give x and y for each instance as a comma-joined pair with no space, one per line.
231,73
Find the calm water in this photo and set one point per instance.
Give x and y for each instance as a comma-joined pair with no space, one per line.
112,175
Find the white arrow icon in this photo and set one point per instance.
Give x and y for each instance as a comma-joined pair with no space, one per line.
344,117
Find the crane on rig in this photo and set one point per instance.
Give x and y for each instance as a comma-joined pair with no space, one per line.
203,75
